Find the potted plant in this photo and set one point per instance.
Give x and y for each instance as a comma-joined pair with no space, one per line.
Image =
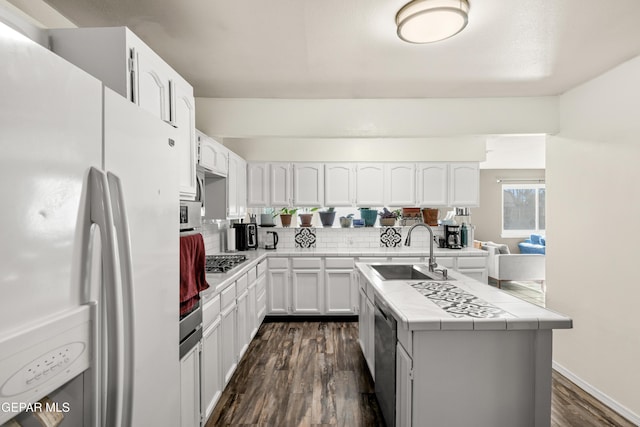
345,221
327,217
388,218
368,216
306,217
286,214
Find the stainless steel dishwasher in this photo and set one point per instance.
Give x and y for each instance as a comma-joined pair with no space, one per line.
386,329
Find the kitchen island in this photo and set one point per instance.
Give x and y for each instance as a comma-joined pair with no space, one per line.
467,354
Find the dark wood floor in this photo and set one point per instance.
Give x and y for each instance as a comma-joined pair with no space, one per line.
313,374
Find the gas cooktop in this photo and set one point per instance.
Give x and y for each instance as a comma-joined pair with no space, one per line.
223,263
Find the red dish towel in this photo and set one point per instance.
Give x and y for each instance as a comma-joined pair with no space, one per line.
192,274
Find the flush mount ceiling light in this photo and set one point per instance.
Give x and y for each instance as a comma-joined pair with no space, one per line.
426,21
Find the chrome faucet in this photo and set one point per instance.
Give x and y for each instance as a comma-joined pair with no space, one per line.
407,242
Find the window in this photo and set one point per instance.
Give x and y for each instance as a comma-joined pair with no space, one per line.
523,209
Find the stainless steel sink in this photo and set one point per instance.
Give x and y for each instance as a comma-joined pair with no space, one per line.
406,272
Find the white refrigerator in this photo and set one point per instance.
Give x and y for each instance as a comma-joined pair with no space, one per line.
89,263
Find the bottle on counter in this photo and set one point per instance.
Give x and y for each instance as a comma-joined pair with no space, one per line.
463,236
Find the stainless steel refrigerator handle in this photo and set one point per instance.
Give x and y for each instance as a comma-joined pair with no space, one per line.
126,275
101,214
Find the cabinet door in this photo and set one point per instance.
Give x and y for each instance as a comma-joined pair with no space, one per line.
261,300
211,381
232,186
363,333
252,312
404,387
369,184
242,325
228,341
242,188
280,184
257,184
151,88
308,184
339,285
211,155
433,187
306,291
400,184
278,291
185,122
464,184
339,184
190,388
371,338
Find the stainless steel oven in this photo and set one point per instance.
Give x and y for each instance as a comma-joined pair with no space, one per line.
190,216
386,333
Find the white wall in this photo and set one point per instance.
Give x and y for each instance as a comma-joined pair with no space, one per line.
469,149
375,118
592,250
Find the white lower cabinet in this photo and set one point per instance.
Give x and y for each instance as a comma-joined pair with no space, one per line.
228,342
340,295
404,386
278,286
252,311
190,388
242,324
307,284
261,299
366,323
211,381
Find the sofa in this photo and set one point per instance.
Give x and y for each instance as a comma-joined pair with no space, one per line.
536,244
505,266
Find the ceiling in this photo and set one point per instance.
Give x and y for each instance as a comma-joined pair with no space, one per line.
349,49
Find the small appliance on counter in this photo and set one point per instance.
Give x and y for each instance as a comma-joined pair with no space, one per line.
452,236
246,236
271,242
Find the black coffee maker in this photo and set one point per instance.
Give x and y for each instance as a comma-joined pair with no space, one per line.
452,236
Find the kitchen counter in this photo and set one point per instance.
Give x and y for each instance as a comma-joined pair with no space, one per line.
475,305
219,281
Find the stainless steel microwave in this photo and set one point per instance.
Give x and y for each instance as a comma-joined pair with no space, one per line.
190,215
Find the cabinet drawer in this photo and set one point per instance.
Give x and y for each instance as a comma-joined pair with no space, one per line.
228,297
210,311
372,259
252,274
278,263
407,260
339,263
241,283
447,262
472,262
262,268
315,263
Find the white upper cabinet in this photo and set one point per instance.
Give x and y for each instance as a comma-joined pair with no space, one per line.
125,64
212,155
280,184
464,184
236,187
433,187
258,184
400,184
269,184
369,184
308,184
339,184
184,119
151,79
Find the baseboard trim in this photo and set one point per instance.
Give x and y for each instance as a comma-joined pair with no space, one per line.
310,318
602,397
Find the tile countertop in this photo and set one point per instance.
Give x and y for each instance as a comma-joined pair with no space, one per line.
219,281
415,311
